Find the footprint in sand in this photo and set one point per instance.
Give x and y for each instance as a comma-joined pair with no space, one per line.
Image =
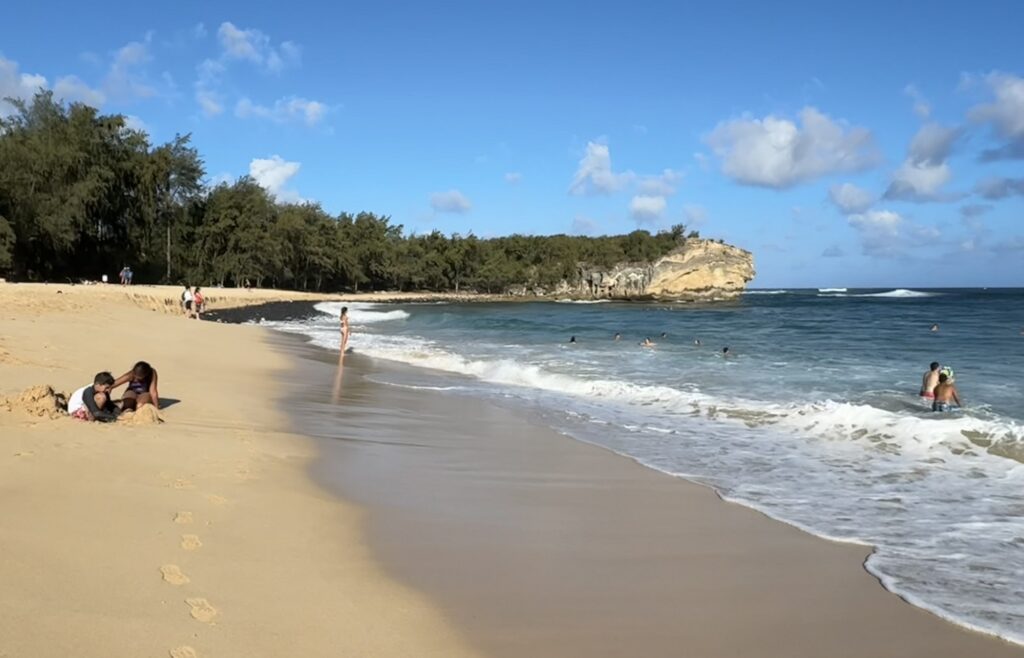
183,652
201,610
181,483
183,518
27,453
172,574
217,500
190,542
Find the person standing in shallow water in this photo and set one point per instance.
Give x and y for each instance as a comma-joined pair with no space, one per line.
346,331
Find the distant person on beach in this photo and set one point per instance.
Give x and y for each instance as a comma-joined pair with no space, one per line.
946,397
346,331
198,302
123,275
648,342
930,381
93,402
186,301
128,275
142,387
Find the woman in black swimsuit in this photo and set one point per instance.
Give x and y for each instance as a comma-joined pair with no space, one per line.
142,387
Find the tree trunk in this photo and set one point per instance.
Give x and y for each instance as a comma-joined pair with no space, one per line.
168,252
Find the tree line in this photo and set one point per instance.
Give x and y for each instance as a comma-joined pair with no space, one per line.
83,193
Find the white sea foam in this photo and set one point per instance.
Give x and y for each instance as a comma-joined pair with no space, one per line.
362,313
582,301
831,289
766,292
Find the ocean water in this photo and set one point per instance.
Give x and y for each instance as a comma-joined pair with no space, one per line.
813,419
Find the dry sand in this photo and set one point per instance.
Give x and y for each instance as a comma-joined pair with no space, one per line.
197,536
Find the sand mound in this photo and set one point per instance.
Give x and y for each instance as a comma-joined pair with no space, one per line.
40,401
144,415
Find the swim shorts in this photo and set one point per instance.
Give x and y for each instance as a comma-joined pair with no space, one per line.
943,406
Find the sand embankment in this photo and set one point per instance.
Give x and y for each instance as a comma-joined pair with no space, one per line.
197,536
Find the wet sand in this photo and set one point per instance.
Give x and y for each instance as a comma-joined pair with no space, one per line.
535,544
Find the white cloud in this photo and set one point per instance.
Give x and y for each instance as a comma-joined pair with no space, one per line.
645,208
922,107
925,172
919,182
849,198
513,177
451,201
833,251
583,226
694,215
71,89
273,174
595,175
775,152
199,31
887,234
135,123
254,46
1005,114
208,103
284,110
664,184
17,85
1000,188
125,79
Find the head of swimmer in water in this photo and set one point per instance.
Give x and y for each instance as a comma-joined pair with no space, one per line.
934,366
572,339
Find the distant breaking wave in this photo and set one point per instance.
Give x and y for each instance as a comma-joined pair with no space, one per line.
899,293
766,292
361,313
831,289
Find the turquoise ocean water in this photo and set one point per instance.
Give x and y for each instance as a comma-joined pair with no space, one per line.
814,419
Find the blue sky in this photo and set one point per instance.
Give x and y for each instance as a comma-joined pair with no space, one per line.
854,144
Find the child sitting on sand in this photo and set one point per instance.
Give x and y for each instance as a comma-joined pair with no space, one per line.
142,389
93,402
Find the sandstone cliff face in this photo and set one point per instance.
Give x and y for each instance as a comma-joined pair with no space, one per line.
697,270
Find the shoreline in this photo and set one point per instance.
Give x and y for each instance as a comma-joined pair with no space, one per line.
426,530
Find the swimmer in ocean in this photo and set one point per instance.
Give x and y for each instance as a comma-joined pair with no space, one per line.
930,381
572,339
618,336
664,335
696,342
935,327
648,342
946,398
725,352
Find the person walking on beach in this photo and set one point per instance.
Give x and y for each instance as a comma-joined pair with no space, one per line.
186,301
198,302
346,331
930,381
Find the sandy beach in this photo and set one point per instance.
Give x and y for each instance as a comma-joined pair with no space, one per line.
429,527
198,536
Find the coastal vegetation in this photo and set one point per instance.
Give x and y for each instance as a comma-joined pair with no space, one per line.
83,193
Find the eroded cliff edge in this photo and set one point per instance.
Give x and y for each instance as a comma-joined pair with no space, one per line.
697,270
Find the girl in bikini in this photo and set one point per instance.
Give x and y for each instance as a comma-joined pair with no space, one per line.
142,387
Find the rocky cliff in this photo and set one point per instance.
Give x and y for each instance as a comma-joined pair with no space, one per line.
697,270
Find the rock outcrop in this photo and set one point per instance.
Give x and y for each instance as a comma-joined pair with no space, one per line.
697,270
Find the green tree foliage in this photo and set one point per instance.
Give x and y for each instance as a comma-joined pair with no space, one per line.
81,194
